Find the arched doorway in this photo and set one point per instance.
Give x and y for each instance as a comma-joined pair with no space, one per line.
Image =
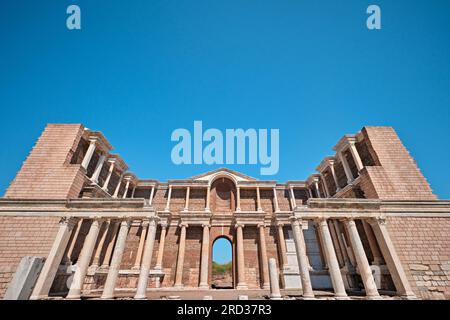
223,195
222,264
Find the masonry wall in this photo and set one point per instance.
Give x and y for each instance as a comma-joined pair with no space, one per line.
395,174
423,246
20,237
47,172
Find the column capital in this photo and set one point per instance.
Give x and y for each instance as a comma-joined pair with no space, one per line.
208,225
145,223
377,221
321,220
68,220
239,225
183,224
261,225
295,220
163,224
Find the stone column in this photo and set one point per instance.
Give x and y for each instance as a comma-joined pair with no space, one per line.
180,259
325,187
114,226
186,205
303,263
275,200
275,293
238,199
132,193
108,177
162,240
355,155
348,172
293,202
392,260
240,257
48,272
333,173
208,199
137,262
361,259
116,192
127,186
341,243
204,267
264,262
113,272
258,200
141,292
98,251
169,195
282,246
83,260
377,257
310,193
152,193
73,241
316,186
98,168
336,245
332,262
89,153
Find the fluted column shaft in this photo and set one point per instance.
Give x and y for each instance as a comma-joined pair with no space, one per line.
204,266
48,272
361,259
264,262
302,258
332,262
240,257
180,259
137,261
83,261
141,292
113,272
162,240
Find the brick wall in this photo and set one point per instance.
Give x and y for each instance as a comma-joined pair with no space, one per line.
398,177
47,172
23,236
423,246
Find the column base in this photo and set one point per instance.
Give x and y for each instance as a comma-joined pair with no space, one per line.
242,286
136,268
342,297
203,286
40,297
411,296
107,297
73,297
266,286
178,286
140,297
276,298
378,297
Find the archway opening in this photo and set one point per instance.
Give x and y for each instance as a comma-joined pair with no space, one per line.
222,264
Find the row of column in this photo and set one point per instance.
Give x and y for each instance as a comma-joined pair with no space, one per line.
55,256
99,166
238,199
48,272
387,250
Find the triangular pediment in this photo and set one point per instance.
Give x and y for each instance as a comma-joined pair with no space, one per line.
207,176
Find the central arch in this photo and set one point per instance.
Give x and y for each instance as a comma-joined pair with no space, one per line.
223,195
222,264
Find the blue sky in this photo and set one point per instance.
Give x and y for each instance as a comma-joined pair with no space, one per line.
222,252
140,69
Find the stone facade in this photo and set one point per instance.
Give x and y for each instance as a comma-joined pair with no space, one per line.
367,222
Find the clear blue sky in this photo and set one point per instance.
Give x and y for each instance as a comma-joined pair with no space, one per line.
222,251
140,69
